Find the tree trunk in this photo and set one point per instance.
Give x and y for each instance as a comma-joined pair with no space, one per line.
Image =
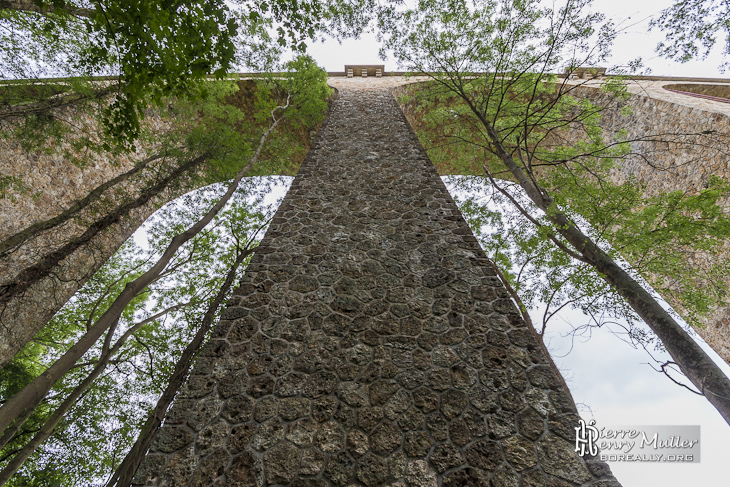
50,425
10,432
692,360
33,393
7,245
47,429
123,475
15,427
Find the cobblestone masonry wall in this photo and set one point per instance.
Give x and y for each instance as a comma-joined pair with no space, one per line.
55,180
369,343
670,167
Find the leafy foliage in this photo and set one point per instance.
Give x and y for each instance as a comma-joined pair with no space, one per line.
491,63
154,48
158,322
693,28
102,425
145,51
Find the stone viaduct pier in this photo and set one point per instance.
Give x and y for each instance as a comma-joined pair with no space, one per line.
54,182
370,342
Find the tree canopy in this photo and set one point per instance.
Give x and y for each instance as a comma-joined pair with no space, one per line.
693,28
493,91
146,51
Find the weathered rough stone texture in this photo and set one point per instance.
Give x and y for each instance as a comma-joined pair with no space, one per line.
678,166
370,343
55,178
62,171
650,117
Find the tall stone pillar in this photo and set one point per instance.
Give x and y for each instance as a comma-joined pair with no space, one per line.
370,343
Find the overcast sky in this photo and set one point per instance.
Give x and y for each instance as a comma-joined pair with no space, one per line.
632,15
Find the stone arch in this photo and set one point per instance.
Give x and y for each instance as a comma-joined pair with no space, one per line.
52,181
655,109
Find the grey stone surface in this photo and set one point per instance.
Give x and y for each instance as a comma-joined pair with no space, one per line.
369,343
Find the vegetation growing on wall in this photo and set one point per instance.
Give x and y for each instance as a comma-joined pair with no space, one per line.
145,51
102,424
119,312
495,58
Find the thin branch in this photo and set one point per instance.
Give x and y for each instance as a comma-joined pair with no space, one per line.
553,238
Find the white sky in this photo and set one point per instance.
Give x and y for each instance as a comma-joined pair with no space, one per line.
620,388
604,373
635,41
613,383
